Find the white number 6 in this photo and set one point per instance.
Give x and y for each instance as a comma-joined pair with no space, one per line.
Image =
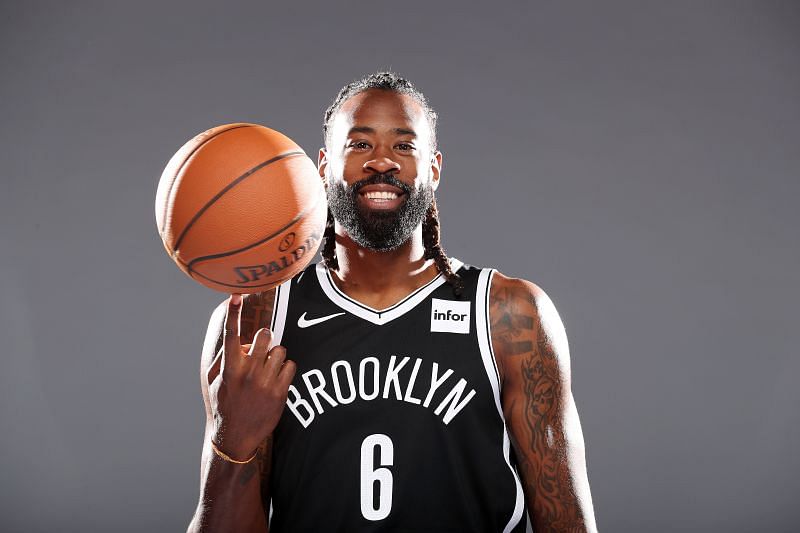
371,475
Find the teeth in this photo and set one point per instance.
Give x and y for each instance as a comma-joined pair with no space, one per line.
381,195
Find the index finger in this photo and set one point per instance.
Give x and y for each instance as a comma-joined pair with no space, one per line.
230,337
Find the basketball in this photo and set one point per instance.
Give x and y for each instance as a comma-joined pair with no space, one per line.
241,208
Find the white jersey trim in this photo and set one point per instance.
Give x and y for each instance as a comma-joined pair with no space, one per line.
279,308
483,325
379,316
277,325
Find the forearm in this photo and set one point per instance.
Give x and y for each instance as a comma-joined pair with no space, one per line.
230,497
232,494
550,451
556,487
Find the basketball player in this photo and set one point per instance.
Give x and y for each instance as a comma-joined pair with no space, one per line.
422,394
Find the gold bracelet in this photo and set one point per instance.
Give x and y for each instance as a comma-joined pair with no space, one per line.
228,457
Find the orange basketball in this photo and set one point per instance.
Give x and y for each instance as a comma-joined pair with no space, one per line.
241,208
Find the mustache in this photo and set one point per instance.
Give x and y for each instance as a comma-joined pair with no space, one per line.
375,179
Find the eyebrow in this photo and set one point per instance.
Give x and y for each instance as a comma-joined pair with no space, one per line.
367,129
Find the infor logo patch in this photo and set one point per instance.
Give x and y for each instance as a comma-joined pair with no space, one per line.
449,316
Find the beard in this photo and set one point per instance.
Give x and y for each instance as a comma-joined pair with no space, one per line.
373,229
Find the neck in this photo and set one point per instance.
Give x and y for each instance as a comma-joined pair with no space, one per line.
365,270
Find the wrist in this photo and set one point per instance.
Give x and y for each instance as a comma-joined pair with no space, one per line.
230,452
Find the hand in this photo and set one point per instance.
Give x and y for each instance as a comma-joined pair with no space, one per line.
247,387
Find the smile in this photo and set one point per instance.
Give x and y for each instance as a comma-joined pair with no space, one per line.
380,195
381,200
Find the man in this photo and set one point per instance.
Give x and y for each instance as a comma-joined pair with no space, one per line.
412,374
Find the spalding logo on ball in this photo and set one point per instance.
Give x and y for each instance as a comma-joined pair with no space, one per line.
241,208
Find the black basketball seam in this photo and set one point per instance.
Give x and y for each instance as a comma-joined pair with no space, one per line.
228,187
190,264
291,223
178,172
273,282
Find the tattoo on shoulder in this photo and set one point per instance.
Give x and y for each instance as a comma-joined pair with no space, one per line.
512,321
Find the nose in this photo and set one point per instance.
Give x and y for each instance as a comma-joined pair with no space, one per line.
381,165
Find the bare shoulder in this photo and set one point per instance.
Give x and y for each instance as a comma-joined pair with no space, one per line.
505,288
524,321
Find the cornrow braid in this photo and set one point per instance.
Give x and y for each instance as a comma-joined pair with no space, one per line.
384,81
329,244
434,250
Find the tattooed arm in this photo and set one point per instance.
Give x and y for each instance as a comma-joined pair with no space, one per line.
233,497
531,349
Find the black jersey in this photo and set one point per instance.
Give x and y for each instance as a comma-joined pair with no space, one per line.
393,421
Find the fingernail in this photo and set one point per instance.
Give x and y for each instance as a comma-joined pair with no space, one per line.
236,299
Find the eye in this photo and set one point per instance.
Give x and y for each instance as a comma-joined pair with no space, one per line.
405,147
360,145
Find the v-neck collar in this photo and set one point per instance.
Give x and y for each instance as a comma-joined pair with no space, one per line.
379,316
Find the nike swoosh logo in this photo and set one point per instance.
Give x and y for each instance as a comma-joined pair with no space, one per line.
303,323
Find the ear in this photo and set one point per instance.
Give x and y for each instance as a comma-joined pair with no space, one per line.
322,165
436,169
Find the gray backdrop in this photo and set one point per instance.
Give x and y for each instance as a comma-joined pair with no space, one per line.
639,161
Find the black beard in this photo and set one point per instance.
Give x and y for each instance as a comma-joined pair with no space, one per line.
378,230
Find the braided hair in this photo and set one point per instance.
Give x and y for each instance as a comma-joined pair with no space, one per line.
384,81
389,81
